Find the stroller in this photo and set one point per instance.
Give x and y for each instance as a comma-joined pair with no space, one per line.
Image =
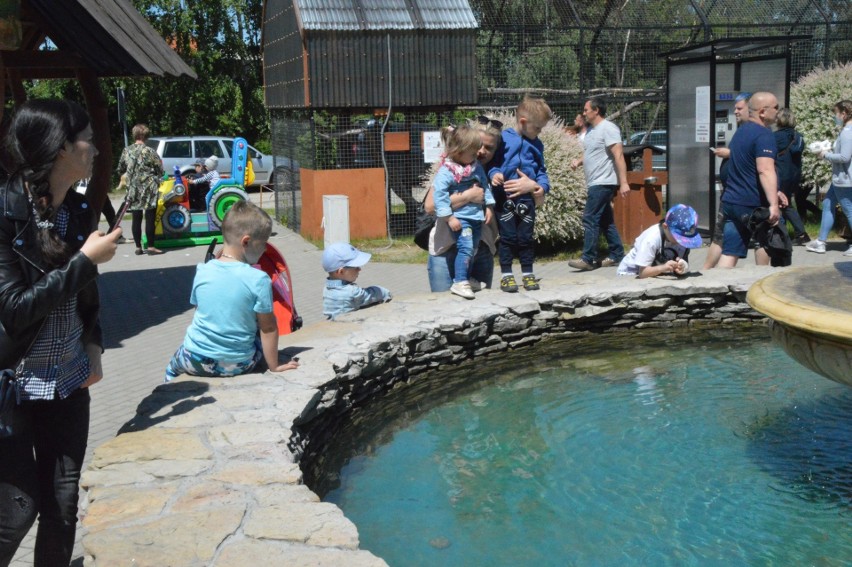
272,262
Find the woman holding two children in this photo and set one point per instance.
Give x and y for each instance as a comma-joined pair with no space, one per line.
442,254
50,331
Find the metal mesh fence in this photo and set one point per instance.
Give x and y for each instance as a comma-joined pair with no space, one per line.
327,140
564,51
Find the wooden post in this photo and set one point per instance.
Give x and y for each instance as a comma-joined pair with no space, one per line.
98,112
2,86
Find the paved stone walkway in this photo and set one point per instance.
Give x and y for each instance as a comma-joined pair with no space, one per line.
146,312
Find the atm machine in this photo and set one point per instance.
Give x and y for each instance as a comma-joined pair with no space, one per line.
726,122
725,126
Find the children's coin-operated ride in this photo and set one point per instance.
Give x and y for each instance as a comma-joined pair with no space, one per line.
283,304
179,223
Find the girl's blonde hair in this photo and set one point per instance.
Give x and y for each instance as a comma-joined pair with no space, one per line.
460,139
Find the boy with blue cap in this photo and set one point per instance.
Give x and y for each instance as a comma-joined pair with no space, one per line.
343,262
664,247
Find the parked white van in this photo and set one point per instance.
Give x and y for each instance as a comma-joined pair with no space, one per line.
182,151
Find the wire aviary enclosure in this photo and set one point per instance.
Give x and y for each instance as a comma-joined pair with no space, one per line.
563,50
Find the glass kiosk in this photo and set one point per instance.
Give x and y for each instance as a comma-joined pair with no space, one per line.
703,81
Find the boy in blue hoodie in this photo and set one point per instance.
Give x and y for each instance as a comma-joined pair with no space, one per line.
521,153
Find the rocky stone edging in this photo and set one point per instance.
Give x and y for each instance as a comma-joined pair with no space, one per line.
208,471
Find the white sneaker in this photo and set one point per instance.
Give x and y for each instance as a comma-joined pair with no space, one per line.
462,289
848,252
815,245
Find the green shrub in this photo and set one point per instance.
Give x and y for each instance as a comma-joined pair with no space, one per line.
559,220
811,99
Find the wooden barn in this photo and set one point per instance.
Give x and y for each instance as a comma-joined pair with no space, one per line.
89,39
368,53
332,73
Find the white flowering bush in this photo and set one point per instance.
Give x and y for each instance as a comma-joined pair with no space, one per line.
559,220
811,99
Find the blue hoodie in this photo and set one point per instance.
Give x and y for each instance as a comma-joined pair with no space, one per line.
517,152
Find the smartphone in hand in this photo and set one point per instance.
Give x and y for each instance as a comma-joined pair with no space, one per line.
119,216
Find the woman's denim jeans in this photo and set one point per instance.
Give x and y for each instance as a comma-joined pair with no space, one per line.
842,195
441,268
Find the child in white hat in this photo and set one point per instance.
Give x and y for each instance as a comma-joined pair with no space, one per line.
343,262
208,171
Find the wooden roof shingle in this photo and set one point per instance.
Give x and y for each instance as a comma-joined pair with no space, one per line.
110,36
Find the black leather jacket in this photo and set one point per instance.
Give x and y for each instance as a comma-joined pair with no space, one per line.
29,291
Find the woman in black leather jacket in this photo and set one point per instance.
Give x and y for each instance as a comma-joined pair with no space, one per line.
49,251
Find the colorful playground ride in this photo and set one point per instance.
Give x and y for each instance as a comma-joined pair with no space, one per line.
178,225
283,304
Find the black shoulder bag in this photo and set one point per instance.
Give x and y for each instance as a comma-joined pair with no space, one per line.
10,391
423,224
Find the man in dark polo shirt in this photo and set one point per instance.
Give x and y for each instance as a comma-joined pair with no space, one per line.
752,182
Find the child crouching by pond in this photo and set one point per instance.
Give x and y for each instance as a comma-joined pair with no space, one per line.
664,247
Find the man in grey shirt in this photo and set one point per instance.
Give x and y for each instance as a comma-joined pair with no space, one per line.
606,174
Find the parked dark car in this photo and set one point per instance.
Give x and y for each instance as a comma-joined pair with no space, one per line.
361,147
657,138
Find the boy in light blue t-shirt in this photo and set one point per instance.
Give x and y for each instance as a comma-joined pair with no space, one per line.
233,326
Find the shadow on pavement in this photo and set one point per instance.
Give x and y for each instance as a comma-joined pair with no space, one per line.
136,300
175,395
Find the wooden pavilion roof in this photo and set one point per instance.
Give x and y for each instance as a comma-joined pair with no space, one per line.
108,37
91,39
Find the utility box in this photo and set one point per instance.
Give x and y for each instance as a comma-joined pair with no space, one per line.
335,219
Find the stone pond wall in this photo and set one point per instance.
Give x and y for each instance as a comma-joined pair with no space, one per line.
208,471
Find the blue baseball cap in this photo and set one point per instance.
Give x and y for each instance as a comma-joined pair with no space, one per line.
682,221
341,254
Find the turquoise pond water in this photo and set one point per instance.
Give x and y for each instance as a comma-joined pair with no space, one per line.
702,448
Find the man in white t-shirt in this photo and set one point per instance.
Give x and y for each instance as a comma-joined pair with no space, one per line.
664,247
606,174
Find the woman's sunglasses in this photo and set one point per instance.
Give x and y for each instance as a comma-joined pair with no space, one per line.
490,122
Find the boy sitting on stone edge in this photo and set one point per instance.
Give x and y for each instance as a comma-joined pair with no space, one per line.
234,326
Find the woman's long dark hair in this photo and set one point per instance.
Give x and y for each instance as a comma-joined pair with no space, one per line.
38,131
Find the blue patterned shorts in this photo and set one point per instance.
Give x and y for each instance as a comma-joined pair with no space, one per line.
185,362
